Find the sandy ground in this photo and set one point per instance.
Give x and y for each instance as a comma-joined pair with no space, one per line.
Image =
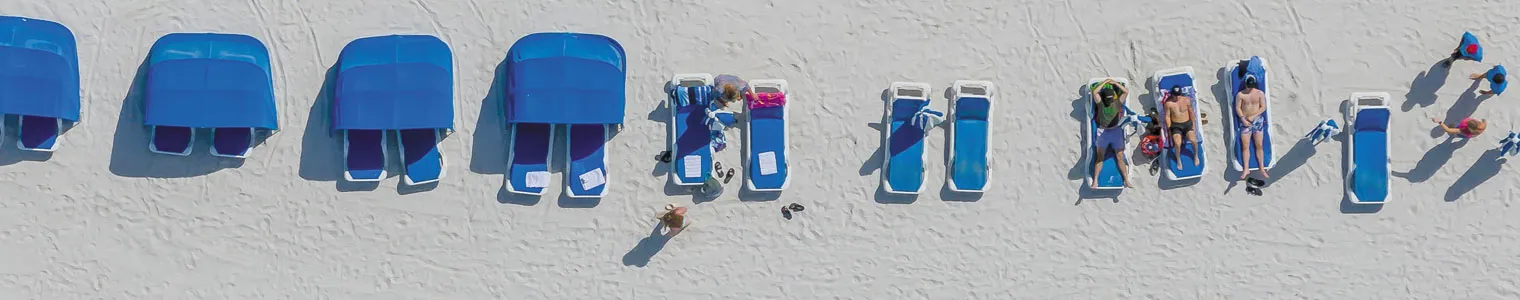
103,218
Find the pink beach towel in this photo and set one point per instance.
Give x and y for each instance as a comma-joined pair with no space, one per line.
763,100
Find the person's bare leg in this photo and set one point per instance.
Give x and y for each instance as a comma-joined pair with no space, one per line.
1261,157
1123,166
1097,166
1193,138
1177,148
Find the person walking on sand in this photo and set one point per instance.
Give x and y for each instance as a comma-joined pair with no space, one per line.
1496,80
1110,116
1179,114
1467,49
1249,104
1467,128
674,218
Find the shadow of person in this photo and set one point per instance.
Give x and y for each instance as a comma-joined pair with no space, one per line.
129,148
1481,171
1079,108
488,152
642,253
1464,107
1422,90
1432,160
1293,159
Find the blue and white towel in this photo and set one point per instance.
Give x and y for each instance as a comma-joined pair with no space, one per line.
927,118
717,121
1324,131
1511,145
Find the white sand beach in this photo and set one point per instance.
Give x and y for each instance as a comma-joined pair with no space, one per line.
104,218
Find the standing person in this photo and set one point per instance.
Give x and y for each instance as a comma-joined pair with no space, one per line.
1179,122
1250,102
1467,49
730,88
1110,135
1467,128
1496,80
674,218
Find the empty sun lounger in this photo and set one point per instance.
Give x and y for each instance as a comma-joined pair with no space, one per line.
903,168
587,152
528,159
768,141
1111,177
232,142
1185,169
38,133
39,71
420,157
364,155
972,108
1368,153
172,140
690,140
1237,161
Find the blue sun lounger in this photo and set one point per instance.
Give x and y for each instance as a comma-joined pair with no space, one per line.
1110,177
574,79
1368,152
528,159
972,108
903,168
1187,169
39,80
767,156
1237,161
394,83
215,81
690,140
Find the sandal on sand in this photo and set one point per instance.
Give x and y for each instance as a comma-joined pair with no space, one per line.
786,213
796,207
663,157
729,176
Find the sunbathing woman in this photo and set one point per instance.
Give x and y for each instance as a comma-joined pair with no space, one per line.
1179,115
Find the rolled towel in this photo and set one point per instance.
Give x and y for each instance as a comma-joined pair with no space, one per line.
1511,145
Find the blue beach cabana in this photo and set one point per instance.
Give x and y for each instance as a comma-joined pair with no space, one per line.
39,80
573,79
212,81
401,83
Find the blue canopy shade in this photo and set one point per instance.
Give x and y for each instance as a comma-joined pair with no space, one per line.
395,82
39,69
566,78
210,80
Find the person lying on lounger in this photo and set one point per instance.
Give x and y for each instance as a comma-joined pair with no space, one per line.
1179,114
1110,135
1250,102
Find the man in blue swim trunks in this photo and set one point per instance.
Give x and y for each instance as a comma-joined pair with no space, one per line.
1109,114
1467,49
1496,80
1250,102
